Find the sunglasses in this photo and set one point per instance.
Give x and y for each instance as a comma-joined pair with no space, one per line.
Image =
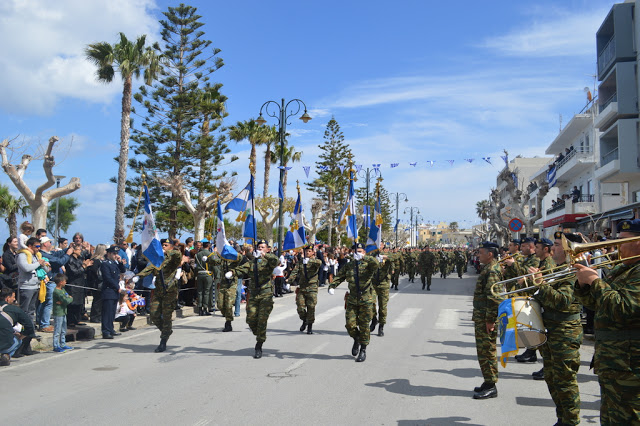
37,246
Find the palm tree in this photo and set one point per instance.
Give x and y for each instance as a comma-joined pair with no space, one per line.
254,133
130,59
270,137
483,209
10,206
453,226
290,155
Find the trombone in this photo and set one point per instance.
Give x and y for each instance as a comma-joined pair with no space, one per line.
575,254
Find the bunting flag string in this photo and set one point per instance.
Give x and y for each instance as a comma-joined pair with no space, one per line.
413,164
451,162
285,168
487,159
306,169
469,160
358,168
394,165
341,169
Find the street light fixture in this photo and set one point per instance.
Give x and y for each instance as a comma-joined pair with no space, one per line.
398,195
417,234
282,114
57,229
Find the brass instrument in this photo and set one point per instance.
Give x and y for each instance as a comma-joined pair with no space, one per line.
575,254
506,257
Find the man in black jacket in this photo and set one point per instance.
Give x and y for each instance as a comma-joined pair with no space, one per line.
10,315
111,270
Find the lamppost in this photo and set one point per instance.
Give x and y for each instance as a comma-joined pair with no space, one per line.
417,234
398,195
282,114
57,230
366,175
411,210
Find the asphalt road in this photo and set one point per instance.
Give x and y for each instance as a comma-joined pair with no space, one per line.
421,372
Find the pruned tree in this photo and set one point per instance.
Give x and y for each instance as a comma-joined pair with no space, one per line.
268,208
316,222
518,200
38,201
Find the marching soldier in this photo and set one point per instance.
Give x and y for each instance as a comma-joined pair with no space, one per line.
396,258
165,295
443,262
258,269
616,301
358,274
460,261
381,288
228,286
307,292
561,351
410,262
204,280
485,315
426,267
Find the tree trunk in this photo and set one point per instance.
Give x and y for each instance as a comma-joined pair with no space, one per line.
330,208
284,184
39,210
252,155
267,170
13,224
199,220
123,159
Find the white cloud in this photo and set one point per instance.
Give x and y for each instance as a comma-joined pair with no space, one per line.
557,33
44,60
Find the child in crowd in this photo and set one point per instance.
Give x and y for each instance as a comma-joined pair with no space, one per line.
125,313
60,301
26,229
136,301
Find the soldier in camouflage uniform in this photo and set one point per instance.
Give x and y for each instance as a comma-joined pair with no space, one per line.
616,301
359,274
165,295
426,267
204,279
228,287
410,264
396,258
306,272
443,262
381,280
260,302
460,261
509,265
561,351
485,315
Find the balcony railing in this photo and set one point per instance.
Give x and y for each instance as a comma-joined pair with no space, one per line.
609,157
613,98
557,207
532,187
607,56
566,158
585,198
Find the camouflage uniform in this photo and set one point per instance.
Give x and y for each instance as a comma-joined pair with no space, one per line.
204,280
359,304
260,303
561,352
460,261
443,262
616,301
410,264
307,292
164,297
228,286
485,310
396,258
520,267
426,267
381,280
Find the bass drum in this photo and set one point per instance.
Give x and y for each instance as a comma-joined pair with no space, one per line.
529,325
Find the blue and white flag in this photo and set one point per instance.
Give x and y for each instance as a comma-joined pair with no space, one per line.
374,241
280,191
395,228
296,237
366,212
508,330
243,203
348,215
223,248
151,247
551,177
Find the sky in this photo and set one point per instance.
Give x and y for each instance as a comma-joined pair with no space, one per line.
413,82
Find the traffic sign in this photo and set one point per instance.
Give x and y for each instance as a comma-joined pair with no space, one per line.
515,224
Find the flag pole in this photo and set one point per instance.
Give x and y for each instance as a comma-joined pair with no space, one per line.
129,238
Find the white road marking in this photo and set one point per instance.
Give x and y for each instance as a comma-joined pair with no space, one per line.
299,363
292,312
202,422
447,319
406,318
327,315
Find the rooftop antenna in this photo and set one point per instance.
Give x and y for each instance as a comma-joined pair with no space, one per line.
560,123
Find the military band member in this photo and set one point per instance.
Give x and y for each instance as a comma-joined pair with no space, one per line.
358,274
306,272
616,301
485,315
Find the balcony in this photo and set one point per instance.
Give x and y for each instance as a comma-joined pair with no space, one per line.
559,206
609,157
615,38
619,152
608,112
607,56
532,187
574,164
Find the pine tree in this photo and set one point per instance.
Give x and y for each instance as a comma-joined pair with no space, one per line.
175,144
333,170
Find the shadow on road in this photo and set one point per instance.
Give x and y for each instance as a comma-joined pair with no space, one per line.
475,372
455,343
403,387
544,402
448,356
438,421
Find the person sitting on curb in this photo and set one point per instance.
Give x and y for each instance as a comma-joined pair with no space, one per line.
10,316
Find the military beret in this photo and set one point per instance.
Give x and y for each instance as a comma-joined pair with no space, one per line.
113,249
629,226
204,240
262,242
574,238
490,245
529,240
545,242
308,247
516,241
357,246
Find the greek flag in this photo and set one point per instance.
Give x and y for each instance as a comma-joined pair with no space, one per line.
348,215
243,203
151,247
366,215
222,244
375,232
551,177
296,237
508,330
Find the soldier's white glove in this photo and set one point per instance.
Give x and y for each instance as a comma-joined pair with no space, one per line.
379,259
178,273
135,279
204,258
257,254
305,260
121,284
228,275
331,291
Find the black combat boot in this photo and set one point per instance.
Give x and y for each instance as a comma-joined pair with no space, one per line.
200,311
490,392
258,353
528,356
26,347
206,312
303,327
309,328
374,322
227,327
381,330
538,375
355,348
363,354
162,346
482,387
5,360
